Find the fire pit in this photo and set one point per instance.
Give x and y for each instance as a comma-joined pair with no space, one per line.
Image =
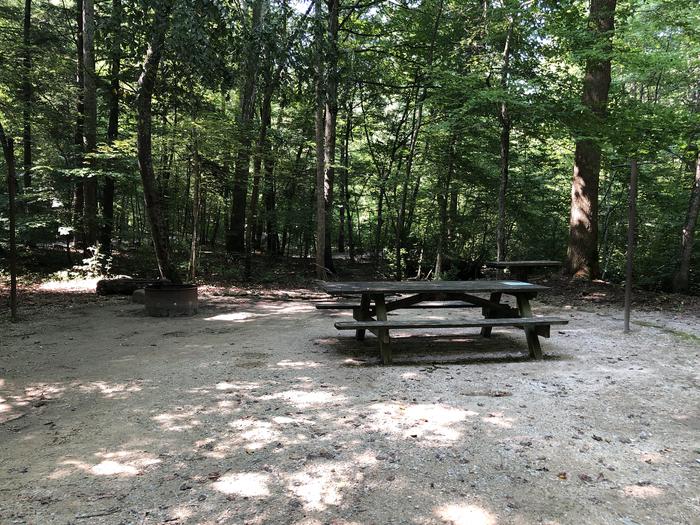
169,300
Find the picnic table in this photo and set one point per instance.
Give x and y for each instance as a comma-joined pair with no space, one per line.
521,270
378,298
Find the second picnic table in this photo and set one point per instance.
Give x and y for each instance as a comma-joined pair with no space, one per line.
371,312
521,270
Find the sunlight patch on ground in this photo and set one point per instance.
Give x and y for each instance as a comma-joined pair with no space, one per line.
456,514
642,491
303,399
123,463
245,484
234,316
180,420
74,285
109,390
428,422
320,485
238,385
297,365
254,435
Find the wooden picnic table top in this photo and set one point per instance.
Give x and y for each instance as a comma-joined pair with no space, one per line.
398,287
521,264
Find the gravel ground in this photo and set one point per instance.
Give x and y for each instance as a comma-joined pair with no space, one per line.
258,411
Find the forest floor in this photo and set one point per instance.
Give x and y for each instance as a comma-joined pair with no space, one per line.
257,410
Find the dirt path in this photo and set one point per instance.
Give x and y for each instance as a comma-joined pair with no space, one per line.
260,412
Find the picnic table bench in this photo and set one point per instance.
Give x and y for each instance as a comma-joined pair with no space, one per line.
521,270
371,312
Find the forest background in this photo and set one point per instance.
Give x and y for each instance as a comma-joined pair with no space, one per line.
415,134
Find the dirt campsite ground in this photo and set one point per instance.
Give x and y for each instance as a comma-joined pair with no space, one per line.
258,411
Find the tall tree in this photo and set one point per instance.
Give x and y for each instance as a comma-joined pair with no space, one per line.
320,139
235,238
8,149
582,255
681,279
113,124
27,94
79,193
331,118
144,119
90,125
505,121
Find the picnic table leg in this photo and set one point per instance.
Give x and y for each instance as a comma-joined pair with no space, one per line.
494,298
533,342
361,314
382,333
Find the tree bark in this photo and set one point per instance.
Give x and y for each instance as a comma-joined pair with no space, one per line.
505,121
582,256
320,139
196,168
681,279
8,149
631,240
442,198
27,94
235,238
331,117
265,121
78,199
113,125
144,119
90,127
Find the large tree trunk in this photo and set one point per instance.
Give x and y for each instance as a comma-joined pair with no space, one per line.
113,125
90,127
79,194
320,138
444,183
345,163
196,168
262,150
505,121
144,120
8,149
582,256
235,238
331,118
681,279
27,94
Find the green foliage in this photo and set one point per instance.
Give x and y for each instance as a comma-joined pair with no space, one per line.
420,83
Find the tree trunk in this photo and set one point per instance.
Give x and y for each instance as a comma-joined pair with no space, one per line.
196,168
582,256
331,117
261,153
345,163
320,138
113,126
90,127
8,149
78,199
631,240
235,239
144,119
27,94
681,279
442,198
505,121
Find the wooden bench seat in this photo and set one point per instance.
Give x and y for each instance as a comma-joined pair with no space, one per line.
425,304
540,324
457,323
533,326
